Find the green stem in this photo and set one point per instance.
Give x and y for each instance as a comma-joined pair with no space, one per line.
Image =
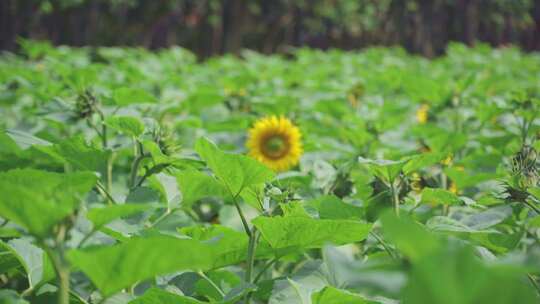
395,198
250,260
135,169
385,246
263,270
61,270
533,207
533,282
200,273
86,238
242,217
103,191
110,161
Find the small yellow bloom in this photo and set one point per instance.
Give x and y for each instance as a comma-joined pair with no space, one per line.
422,114
275,141
448,160
453,188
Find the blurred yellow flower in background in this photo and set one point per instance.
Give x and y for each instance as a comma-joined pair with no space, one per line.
275,141
422,114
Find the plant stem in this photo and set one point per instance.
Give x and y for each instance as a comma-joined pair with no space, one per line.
242,217
251,254
110,161
86,238
263,270
385,246
395,198
60,266
533,282
253,238
200,273
105,193
532,206
135,169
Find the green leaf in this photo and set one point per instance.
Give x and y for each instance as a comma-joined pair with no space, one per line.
534,191
436,196
409,237
303,232
38,200
127,96
33,259
112,268
78,153
196,185
422,161
228,246
468,178
128,125
11,297
235,171
102,216
387,170
454,275
224,279
332,295
331,207
160,296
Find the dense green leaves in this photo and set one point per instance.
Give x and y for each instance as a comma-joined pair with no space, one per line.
195,185
294,232
115,267
453,151
126,124
37,200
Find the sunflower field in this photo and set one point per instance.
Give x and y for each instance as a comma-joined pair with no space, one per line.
375,176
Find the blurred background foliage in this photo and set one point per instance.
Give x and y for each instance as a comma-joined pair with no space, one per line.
211,27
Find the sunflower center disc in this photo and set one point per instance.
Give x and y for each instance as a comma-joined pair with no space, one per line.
275,146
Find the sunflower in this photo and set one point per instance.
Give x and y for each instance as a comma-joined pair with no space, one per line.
275,142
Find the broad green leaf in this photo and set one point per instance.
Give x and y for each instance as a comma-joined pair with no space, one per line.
454,275
78,153
160,296
332,295
25,140
8,145
228,246
253,195
224,279
331,207
33,259
410,237
128,125
298,287
101,216
295,209
387,170
421,161
8,296
235,171
534,191
112,268
436,196
127,96
38,200
467,178
195,185
303,232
